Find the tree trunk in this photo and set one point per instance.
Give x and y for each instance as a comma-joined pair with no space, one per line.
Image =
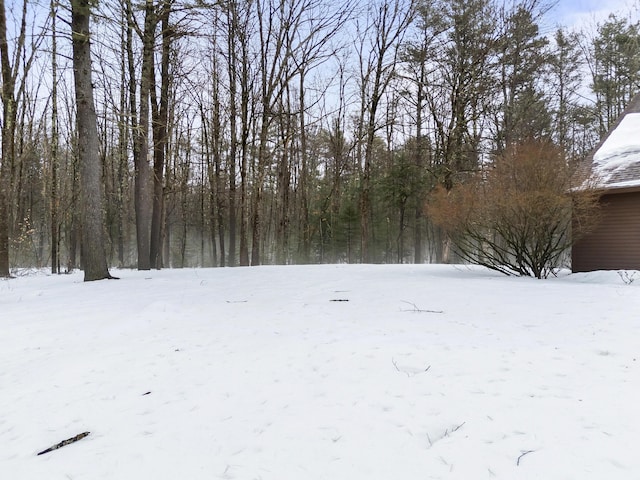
232,69
123,136
8,126
55,263
305,226
418,256
160,118
93,248
215,176
142,170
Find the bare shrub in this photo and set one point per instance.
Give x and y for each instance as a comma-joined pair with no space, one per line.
520,213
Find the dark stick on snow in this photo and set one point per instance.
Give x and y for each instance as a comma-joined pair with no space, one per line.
64,443
455,429
523,454
416,309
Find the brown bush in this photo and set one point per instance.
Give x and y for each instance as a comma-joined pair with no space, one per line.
515,216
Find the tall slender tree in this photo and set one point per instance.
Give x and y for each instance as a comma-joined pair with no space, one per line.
94,259
55,261
142,189
14,71
160,116
565,73
8,125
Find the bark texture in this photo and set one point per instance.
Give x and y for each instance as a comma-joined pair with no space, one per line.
94,258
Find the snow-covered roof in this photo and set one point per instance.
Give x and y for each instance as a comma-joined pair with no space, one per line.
616,164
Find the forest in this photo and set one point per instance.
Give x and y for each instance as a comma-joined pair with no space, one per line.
249,132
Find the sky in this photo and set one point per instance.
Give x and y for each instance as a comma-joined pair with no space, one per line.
586,12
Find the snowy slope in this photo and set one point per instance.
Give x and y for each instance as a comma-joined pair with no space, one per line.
419,372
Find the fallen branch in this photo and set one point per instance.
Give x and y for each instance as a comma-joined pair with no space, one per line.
409,374
64,443
455,429
445,434
522,455
627,277
416,309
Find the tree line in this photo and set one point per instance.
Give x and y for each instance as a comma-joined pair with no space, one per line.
248,132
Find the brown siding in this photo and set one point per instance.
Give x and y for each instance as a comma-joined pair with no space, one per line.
615,244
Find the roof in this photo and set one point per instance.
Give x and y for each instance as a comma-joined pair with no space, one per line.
615,162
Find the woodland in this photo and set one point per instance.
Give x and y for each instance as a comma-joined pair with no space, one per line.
249,132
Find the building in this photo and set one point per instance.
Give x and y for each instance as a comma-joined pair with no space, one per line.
615,242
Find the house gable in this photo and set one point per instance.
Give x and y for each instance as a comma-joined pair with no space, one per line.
616,163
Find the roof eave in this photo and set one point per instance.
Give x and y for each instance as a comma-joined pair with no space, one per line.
616,190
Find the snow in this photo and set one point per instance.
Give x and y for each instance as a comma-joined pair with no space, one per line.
419,372
619,154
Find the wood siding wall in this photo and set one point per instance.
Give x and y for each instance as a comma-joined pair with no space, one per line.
615,244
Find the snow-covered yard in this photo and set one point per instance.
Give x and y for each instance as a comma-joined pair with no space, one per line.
320,372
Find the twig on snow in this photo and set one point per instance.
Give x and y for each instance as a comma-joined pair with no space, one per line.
627,277
398,368
408,374
527,452
64,443
446,433
455,429
417,309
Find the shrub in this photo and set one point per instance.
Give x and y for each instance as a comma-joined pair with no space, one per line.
519,214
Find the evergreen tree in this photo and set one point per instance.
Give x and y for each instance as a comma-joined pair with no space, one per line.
615,68
565,64
523,58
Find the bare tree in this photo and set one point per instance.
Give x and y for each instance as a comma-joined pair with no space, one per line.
94,258
214,143
378,56
14,70
8,125
55,261
288,30
239,30
160,116
142,191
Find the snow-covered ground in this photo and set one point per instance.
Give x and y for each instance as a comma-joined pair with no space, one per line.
321,372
